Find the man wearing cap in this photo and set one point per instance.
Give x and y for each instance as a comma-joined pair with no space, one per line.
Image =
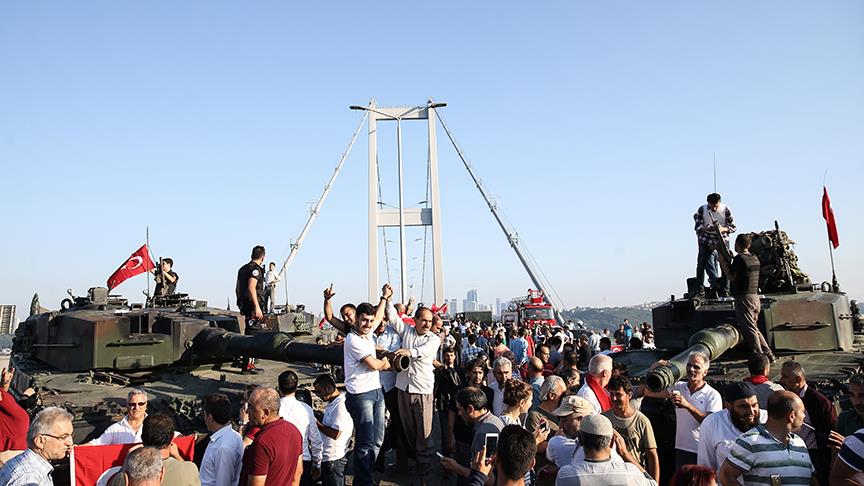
600,466
562,447
594,389
719,430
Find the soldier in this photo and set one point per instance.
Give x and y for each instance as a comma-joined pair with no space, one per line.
709,216
166,278
745,289
250,298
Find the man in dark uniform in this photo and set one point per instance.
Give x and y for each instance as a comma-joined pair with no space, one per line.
745,289
166,278
250,297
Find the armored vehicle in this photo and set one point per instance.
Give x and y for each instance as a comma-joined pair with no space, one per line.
86,356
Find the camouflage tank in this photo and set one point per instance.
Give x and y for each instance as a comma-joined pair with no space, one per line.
815,324
86,356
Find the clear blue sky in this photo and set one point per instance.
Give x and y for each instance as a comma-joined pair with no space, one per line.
592,123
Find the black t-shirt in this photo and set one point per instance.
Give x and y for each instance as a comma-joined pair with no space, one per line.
244,300
166,287
745,274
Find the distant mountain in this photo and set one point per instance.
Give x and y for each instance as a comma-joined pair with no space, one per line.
611,317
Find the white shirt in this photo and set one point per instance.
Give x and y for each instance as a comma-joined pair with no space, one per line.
336,416
119,433
359,378
594,342
223,458
706,399
391,341
271,277
587,393
560,450
300,414
420,375
717,434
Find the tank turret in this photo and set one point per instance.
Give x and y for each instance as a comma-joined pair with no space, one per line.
711,342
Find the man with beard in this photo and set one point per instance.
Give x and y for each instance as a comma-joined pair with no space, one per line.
771,449
633,427
461,433
849,421
719,430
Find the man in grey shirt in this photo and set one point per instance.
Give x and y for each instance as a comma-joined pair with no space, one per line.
472,406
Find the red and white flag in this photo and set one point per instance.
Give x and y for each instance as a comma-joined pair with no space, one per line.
96,465
439,310
138,263
828,214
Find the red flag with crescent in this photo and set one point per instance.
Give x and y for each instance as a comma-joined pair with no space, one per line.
137,263
96,465
439,310
828,214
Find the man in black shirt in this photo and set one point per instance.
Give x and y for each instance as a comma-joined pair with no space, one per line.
447,382
166,278
745,289
250,296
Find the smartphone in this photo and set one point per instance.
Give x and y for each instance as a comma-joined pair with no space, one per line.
676,392
491,444
440,456
544,426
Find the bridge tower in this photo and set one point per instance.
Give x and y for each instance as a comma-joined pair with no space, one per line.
403,216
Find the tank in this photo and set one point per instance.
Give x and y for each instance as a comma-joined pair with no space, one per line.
86,356
815,324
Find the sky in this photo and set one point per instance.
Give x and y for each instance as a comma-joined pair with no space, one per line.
593,125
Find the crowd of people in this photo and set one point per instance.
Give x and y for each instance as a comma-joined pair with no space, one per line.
476,404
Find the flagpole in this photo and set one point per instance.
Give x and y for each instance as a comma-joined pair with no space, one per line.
147,242
833,274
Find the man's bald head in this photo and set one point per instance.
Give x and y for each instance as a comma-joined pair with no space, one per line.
535,364
263,406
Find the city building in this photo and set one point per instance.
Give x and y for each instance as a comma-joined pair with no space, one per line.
7,319
470,304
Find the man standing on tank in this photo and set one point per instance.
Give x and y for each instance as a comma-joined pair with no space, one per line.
166,278
745,289
250,297
707,217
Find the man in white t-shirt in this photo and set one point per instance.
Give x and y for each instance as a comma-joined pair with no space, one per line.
127,430
719,430
694,400
594,389
365,398
300,414
336,427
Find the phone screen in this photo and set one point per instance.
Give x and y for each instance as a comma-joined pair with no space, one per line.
491,444
544,426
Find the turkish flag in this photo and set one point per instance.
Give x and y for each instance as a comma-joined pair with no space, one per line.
440,310
138,263
828,214
95,465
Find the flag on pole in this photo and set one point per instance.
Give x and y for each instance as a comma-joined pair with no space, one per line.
828,214
439,310
137,263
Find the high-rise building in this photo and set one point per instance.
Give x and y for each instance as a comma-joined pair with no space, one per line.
452,310
7,319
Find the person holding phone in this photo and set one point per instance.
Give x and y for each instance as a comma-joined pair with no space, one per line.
472,407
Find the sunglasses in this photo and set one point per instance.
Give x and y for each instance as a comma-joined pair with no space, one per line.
136,404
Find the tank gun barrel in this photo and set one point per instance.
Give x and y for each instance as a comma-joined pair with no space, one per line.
274,346
711,342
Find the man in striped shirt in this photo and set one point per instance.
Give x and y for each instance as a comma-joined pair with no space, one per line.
848,468
771,450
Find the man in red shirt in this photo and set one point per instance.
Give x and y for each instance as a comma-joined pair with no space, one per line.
14,421
275,457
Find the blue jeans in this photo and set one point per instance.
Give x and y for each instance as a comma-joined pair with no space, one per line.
333,472
367,410
706,262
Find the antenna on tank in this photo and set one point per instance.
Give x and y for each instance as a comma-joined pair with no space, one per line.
715,171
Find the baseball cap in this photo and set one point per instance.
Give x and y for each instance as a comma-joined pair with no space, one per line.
596,425
573,404
737,390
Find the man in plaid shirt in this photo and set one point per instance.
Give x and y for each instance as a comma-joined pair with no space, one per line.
709,215
471,351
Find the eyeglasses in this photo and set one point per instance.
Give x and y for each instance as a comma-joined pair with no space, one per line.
136,404
62,438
